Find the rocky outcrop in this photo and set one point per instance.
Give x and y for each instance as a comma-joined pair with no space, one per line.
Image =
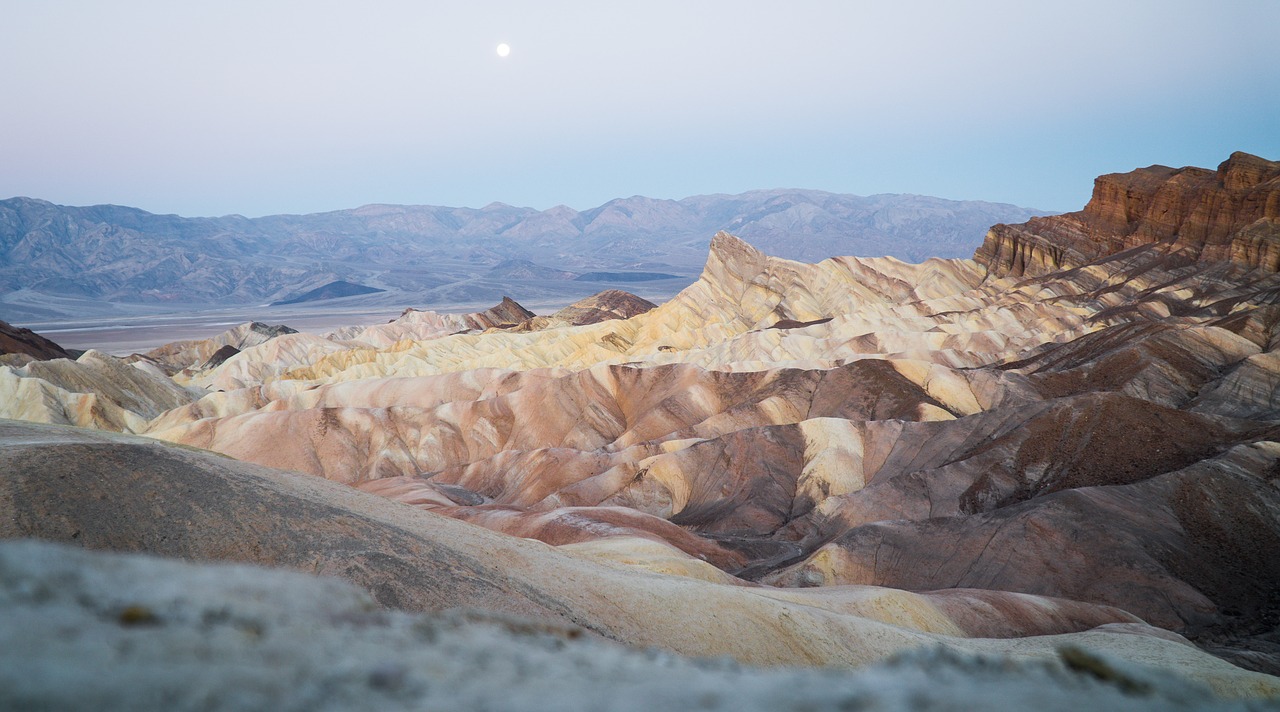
197,353
96,391
1231,214
603,306
425,325
508,312
25,342
219,357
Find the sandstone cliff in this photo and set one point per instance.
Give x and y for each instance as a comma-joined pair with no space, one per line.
1231,214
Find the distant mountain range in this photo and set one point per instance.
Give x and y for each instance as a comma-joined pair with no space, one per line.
439,255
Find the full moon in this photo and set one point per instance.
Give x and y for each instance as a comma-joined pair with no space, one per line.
504,49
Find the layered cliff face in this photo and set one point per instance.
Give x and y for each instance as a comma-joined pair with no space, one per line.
1231,214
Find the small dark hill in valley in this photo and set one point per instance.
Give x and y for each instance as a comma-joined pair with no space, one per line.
332,290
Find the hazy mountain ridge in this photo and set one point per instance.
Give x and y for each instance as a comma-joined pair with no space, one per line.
125,254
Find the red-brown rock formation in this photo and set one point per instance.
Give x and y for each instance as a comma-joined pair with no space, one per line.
506,313
17,340
603,306
1231,214
608,305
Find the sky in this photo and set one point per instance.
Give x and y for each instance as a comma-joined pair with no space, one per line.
264,107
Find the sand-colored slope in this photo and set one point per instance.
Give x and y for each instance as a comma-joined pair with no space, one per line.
609,407
196,353
95,390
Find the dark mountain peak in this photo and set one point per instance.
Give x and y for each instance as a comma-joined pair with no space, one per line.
270,330
220,356
332,290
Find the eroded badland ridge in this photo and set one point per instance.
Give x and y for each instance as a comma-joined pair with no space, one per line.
1072,440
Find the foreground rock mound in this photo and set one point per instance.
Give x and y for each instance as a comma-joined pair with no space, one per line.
113,632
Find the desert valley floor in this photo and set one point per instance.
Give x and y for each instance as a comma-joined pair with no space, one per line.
1054,467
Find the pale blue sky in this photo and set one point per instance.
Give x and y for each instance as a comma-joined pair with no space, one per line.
266,107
